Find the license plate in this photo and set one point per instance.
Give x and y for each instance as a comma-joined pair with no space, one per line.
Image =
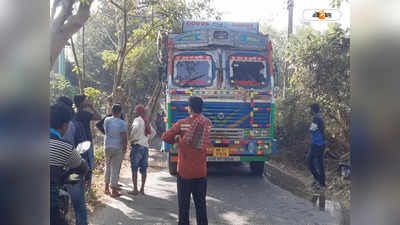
226,159
221,152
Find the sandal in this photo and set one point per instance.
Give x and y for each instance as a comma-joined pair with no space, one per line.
115,195
118,188
133,192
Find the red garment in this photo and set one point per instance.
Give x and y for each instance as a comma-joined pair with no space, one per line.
192,149
142,112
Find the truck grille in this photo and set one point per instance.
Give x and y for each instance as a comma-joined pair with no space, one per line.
227,133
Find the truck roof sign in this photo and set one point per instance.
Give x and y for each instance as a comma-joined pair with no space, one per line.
192,25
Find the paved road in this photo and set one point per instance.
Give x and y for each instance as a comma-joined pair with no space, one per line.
234,197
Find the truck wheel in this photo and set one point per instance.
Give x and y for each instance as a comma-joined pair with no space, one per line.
171,166
257,168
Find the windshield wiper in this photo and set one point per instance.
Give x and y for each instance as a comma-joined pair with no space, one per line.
192,79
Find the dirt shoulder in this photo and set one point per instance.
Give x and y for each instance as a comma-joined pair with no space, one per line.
338,189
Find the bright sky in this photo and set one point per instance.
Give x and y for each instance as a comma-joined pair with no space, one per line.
275,12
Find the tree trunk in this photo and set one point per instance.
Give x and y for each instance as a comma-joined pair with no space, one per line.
153,104
65,25
80,76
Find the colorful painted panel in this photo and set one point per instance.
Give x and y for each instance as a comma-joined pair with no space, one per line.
190,25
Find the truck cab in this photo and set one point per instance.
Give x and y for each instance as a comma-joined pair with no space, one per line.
228,65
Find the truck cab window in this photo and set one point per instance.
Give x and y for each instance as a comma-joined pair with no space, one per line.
248,73
192,71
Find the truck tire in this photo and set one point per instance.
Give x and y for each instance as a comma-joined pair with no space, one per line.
257,168
172,166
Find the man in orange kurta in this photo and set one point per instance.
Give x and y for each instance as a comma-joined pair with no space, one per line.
192,136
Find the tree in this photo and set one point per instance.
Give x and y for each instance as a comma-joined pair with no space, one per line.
59,86
67,17
128,33
147,18
337,3
132,72
320,64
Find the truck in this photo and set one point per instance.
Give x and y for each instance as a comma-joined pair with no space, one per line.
228,65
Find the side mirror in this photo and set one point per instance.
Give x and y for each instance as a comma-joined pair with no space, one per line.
276,74
162,73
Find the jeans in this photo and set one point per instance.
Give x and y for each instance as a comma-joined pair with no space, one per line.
198,188
77,192
114,159
56,217
315,161
90,162
139,159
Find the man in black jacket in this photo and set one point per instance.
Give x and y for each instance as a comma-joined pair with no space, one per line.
61,155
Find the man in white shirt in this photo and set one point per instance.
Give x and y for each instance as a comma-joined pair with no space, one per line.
139,138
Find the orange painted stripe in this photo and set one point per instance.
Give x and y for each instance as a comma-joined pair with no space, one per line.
171,46
270,58
174,158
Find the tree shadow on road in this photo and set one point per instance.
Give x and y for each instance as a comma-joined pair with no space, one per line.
140,209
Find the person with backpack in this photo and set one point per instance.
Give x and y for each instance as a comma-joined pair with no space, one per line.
79,131
84,116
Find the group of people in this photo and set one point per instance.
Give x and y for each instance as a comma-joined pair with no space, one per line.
191,135
69,128
116,140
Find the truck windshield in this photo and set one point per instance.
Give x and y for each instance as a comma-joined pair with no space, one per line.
192,70
248,71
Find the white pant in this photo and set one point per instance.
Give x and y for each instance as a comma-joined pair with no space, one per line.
114,159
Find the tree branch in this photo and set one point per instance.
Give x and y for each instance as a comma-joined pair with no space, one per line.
76,21
116,5
65,13
80,77
143,37
109,36
66,24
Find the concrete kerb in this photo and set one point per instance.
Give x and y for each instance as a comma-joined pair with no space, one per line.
298,187
286,181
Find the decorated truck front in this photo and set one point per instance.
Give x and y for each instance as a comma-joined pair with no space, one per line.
229,66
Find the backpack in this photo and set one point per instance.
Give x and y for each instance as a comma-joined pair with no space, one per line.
100,124
80,132
80,136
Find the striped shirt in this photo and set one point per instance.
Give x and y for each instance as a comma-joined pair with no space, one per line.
62,154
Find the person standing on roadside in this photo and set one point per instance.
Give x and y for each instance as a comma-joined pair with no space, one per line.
192,136
139,138
315,156
84,116
115,143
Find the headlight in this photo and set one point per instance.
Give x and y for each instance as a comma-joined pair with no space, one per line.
252,147
261,133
